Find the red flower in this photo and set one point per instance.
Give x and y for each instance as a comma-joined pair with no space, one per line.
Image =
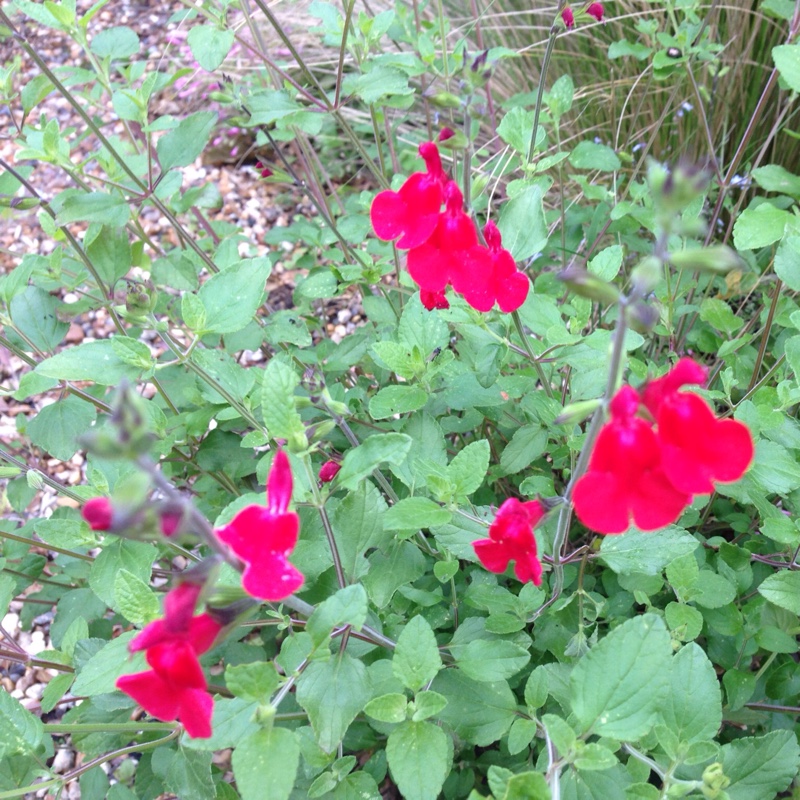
433,300
685,372
329,470
170,521
264,537
413,211
511,539
626,476
452,253
698,448
568,17
596,10
506,285
175,687
445,134
99,513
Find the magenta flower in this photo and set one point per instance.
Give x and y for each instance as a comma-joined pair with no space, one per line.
328,471
263,538
99,513
433,300
596,10
568,17
511,539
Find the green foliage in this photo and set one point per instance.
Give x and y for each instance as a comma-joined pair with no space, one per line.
402,665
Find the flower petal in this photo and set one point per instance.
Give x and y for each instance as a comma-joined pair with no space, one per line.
529,568
176,663
427,267
196,709
601,503
244,532
657,503
272,578
152,693
513,292
279,484
388,215
493,556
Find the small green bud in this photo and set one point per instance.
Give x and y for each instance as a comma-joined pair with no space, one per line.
265,716
585,284
646,275
444,100
35,479
642,316
719,259
140,298
575,413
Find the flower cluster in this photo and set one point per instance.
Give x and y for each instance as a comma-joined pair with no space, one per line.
263,537
594,10
443,247
646,468
511,539
175,686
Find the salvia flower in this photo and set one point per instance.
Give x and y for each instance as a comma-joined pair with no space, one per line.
596,10
263,538
99,513
328,471
412,212
511,539
568,18
175,687
626,479
433,300
659,449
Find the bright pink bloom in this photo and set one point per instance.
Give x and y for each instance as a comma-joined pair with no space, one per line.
179,622
263,538
433,300
626,477
697,448
685,372
175,687
596,10
328,471
506,284
511,539
445,134
266,172
170,522
568,17
99,513
413,211
452,251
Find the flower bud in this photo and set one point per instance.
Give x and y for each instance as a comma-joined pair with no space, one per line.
719,259
445,134
568,18
646,275
445,100
575,413
586,284
596,10
328,471
99,513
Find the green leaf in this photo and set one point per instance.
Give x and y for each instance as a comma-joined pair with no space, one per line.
135,600
90,361
693,705
520,735
357,786
210,45
759,227
254,681
422,329
526,445
783,590
182,145
118,554
527,786
186,772
387,708
416,659
427,704
99,674
591,155
488,660
420,756
347,607
720,315
787,261
415,513
381,81
561,734
20,731
333,692
392,400
787,60
774,178
358,525
739,687
33,313
110,209
607,263
515,129
265,764
57,427
468,468
685,622
760,768
646,552
117,42
774,468
193,312
277,401
618,686
712,590
480,713
232,296
626,48
522,223
232,722
594,756
377,449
